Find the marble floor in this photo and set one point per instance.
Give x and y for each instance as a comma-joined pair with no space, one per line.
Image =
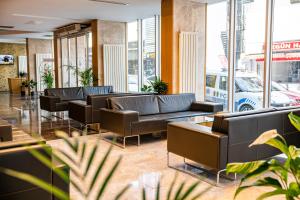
141,166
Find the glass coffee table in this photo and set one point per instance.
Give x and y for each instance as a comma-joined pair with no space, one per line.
201,120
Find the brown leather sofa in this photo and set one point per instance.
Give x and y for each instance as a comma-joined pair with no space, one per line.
57,99
5,131
136,115
15,156
228,139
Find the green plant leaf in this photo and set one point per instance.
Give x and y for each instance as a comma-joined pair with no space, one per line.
37,182
270,194
158,191
279,145
179,190
48,162
189,191
244,168
171,187
108,177
99,168
293,190
265,137
295,120
122,192
91,159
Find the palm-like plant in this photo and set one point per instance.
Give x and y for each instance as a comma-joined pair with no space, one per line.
80,162
86,77
286,179
48,78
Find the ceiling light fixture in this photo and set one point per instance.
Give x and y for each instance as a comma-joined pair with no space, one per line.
111,2
41,17
7,27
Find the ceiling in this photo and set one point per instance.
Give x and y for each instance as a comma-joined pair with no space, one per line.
37,18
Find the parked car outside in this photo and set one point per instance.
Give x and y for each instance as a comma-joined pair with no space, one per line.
248,91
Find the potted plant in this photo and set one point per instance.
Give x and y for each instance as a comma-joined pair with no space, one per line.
48,78
24,87
86,77
158,86
32,86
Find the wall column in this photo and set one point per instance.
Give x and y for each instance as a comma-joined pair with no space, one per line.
105,32
180,16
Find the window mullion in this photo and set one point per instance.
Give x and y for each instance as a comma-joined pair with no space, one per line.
268,53
232,56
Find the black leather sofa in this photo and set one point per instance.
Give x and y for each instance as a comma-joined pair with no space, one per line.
57,99
15,156
228,140
88,112
133,116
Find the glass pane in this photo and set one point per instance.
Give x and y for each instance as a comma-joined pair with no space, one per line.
64,62
217,52
250,37
72,62
149,49
286,55
90,45
81,55
133,57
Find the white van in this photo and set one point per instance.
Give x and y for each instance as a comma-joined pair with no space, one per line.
248,91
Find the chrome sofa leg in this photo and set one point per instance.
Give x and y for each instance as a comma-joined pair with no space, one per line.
218,175
139,140
124,142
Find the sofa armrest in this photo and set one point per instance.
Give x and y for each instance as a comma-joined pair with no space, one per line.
118,121
198,143
80,111
48,103
207,106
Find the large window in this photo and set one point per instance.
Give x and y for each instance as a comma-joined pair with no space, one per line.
143,52
76,57
133,56
217,53
285,66
249,43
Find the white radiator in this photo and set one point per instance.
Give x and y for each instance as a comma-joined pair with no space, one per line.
189,66
115,67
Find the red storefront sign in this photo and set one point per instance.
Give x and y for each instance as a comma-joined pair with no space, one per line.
281,57
279,46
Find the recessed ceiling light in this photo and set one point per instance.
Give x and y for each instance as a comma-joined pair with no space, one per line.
111,2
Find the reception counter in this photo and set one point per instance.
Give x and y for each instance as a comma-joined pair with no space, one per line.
15,85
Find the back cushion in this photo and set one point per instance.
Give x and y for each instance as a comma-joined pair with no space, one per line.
97,90
220,125
145,105
175,103
66,94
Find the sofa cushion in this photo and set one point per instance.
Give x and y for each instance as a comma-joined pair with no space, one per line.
175,103
66,94
97,90
145,105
